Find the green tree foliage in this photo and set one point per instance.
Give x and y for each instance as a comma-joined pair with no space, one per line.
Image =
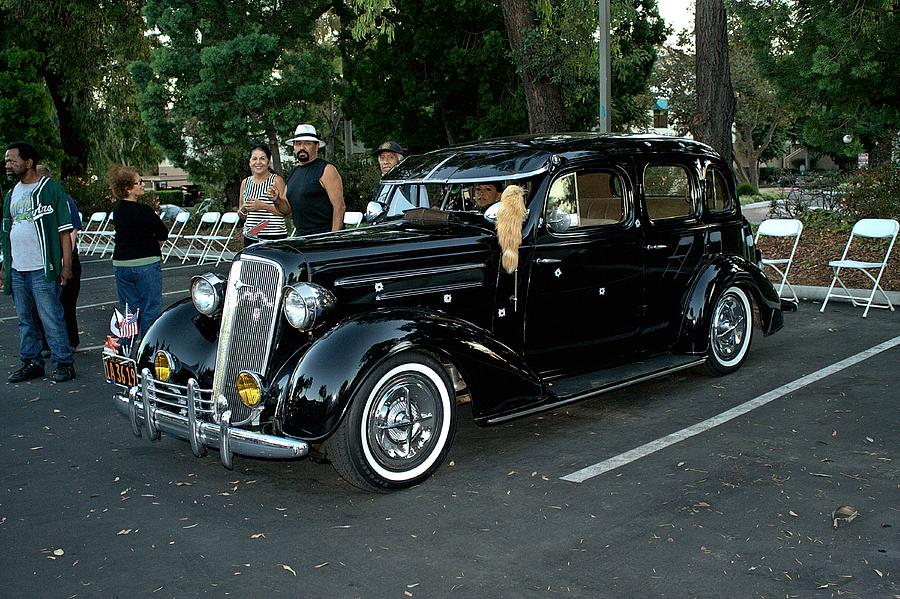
835,63
25,106
404,75
223,75
566,53
762,125
84,47
428,88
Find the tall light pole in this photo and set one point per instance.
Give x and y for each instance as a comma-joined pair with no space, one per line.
605,79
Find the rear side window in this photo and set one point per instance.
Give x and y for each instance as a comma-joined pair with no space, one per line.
587,199
717,198
667,192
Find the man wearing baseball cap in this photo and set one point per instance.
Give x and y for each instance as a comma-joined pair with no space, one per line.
315,190
389,154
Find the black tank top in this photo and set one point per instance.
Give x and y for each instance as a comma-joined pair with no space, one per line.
311,209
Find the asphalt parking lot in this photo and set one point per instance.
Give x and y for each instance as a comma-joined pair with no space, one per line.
738,507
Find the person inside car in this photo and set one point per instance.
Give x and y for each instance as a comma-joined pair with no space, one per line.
487,194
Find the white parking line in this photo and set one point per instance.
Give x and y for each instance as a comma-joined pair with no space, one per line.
87,349
4,319
652,447
97,278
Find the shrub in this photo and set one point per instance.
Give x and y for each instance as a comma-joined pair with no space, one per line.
91,195
770,174
170,196
747,189
872,193
360,176
827,220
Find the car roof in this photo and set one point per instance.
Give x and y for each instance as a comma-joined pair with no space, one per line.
525,156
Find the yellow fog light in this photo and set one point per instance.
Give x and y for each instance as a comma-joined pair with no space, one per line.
163,366
249,388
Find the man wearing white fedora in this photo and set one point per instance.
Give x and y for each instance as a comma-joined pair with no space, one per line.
315,190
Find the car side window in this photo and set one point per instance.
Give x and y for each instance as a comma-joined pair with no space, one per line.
589,199
667,192
717,198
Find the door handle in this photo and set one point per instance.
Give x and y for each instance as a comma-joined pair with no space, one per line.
656,247
548,261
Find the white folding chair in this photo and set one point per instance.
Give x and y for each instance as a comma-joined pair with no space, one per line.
781,227
175,234
352,219
105,236
218,240
876,228
210,219
87,235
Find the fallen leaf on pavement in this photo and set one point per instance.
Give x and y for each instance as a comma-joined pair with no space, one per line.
844,513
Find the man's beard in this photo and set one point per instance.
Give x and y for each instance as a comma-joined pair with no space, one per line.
303,156
12,176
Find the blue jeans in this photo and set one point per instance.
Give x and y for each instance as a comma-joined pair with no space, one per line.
37,304
141,288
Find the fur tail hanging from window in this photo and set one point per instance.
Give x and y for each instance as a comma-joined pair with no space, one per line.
509,225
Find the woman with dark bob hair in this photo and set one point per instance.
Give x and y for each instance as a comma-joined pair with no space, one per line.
136,258
263,203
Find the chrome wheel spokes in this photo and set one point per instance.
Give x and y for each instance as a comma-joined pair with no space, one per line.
729,327
401,423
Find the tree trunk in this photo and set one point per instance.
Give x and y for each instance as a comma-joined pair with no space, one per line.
272,136
542,98
75,149
715,95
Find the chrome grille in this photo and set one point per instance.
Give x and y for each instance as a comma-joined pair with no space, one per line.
249,316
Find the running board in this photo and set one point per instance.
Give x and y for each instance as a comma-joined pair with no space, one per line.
584,386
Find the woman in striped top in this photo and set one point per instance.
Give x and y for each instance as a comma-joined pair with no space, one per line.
263,201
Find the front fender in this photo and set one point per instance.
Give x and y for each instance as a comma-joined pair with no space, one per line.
189,336
720,272
335,365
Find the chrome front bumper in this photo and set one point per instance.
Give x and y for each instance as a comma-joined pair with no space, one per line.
145,416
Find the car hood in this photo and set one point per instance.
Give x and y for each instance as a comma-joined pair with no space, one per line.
394,247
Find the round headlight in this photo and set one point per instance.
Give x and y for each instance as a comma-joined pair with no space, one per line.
163,366
249,388
305,304
206,293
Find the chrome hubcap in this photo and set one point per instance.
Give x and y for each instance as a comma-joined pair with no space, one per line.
729,327
401,424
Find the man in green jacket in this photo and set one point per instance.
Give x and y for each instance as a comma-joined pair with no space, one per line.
37,260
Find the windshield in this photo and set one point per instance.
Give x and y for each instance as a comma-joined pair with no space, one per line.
473,197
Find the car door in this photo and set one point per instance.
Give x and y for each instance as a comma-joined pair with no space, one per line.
584,291
674,245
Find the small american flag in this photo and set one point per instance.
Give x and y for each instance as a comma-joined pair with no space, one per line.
130,323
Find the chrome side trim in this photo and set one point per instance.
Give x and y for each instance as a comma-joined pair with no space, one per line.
463,180
224,345
590,394
439,165
405,274
424,291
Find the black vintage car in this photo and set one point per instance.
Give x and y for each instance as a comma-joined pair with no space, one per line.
634,262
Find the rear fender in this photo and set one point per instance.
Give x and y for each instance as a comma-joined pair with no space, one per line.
335,365
720,273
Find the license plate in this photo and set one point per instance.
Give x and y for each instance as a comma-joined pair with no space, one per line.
120,371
